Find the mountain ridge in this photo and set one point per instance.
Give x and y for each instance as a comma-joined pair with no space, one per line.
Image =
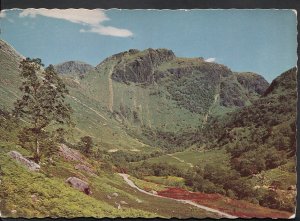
190,87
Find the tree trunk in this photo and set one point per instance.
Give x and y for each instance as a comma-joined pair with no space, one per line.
37,144
37,151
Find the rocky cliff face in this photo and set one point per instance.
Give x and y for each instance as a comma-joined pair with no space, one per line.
73,68
140,68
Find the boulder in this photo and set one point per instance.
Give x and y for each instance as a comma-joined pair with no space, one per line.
139,201
115,194
85,168
32,166
70,154
79,184
34,198
123,202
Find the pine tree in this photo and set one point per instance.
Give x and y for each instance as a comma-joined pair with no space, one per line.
42,107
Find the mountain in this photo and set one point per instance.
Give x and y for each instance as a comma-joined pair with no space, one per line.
145,93
156,90
77,68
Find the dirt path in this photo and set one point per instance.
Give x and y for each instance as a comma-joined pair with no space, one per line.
130,183
83,104
180,160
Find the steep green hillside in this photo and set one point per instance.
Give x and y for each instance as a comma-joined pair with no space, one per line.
267,126
9,75
252,148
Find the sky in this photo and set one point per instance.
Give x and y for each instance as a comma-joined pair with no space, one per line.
260,41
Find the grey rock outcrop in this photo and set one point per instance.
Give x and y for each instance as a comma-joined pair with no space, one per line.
79,185
141,68
32,166
69,153
73,68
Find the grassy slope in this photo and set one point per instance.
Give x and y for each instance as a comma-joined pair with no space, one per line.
9,80
188,158
56,199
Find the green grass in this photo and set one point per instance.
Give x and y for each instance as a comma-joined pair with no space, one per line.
149,184
166,180
165,159
186,159
281,174
202,158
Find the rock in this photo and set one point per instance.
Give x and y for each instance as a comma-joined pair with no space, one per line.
123,202
142,66
85,168
118,205
13,211
34,198
139,201
70,154
108,197
79,184
32,166
73,68
115,194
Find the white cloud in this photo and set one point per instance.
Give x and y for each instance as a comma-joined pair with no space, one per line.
2,14
108,30
81,16
210,59
90,18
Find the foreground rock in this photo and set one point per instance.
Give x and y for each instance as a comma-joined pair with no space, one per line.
79,184
69,153
32,166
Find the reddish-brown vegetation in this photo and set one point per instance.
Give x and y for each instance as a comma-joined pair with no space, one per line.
238,208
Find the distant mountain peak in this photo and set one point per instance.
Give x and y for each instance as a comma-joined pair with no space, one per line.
73,68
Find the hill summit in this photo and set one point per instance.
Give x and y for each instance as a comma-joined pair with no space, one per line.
73,68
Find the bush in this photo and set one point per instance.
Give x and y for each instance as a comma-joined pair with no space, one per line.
270,200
